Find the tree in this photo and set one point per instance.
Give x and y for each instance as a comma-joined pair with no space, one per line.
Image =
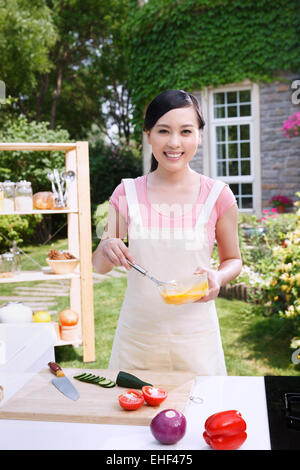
27,33
87,81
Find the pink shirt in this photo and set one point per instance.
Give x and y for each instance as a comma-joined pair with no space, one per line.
151,216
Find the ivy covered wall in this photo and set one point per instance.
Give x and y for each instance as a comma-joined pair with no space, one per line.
189,44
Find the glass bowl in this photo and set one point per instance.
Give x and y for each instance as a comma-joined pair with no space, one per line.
185,291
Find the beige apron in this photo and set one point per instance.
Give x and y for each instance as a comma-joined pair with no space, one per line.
150,333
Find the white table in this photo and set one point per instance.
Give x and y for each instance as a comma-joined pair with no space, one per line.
245,394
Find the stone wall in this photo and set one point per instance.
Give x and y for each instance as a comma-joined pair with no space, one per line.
280,156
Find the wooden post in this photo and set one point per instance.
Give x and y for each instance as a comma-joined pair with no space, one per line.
73,233
85,243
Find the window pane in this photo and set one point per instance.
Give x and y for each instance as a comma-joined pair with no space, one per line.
234,188
247,188
245,132
220,133
245,95
232,133
221,168
232,97
232,111
233,168
221,151
245,167
219,98
219,112
247,203
232,150
245,110
245,150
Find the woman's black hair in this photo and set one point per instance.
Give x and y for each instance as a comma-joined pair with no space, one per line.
164,102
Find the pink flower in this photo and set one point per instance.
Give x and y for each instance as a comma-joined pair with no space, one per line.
291,127
274,209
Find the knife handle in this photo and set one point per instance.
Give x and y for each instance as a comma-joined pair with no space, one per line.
56,369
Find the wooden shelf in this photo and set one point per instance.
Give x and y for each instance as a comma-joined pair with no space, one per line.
79,236
41,146
75,343
28,276
63,211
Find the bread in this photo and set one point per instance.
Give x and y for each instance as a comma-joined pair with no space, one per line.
44,200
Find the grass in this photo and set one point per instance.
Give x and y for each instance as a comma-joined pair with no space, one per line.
254,345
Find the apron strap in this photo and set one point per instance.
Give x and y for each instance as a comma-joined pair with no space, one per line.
132,201
210,202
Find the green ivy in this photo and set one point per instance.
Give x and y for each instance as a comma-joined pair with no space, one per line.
190,44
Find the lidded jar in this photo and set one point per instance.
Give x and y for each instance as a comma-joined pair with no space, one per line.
8,263
9,196
23,196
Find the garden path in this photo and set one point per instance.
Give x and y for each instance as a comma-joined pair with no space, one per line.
43,296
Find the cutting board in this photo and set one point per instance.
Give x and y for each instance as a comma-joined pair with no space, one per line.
39,400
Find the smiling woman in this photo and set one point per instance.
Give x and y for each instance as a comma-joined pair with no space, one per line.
151,334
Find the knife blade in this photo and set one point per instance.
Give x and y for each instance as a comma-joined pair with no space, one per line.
62,383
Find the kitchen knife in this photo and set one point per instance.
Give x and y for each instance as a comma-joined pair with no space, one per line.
62,383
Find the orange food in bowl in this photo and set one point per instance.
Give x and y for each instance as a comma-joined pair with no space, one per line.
178,296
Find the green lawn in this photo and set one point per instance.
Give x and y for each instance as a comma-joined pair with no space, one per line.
253,344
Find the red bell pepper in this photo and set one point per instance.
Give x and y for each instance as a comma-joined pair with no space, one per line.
225,430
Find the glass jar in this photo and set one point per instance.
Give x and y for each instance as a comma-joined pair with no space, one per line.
9,196
1,198
23,196
8,263
17,257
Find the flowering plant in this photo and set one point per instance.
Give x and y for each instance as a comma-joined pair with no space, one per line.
280,200
291,127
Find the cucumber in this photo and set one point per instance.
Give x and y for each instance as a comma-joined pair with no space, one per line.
104,382
110,385
124,379
95,379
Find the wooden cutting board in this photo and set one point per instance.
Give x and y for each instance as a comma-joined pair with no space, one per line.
39,400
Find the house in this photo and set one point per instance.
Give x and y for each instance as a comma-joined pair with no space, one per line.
243,143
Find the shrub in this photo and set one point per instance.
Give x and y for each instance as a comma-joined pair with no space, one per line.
108,165
17,228
31,165
100,218
283,289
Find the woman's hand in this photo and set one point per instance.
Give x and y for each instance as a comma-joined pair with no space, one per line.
214,284
116,252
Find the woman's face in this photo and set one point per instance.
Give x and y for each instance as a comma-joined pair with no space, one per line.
175,138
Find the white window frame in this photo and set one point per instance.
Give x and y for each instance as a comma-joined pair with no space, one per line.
209,139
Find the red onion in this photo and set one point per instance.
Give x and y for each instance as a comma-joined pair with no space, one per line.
168,426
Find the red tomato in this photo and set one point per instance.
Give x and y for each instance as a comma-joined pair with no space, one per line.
154,396
131,400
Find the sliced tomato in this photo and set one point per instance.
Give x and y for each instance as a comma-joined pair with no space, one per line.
131,400
154,396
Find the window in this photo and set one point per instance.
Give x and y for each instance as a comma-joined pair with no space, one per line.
231,136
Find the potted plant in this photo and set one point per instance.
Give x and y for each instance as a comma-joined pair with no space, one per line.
281,202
